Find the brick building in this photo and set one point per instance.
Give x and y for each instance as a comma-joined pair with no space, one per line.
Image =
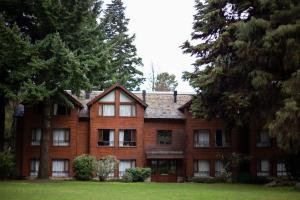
142,130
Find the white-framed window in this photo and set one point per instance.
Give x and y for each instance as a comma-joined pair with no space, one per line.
107,110
36,135
34,167
106,137
61,137
124,165
263,168
127,110
219,168
263,139
201,168
127,138
281,168
222,138
201,138
60,168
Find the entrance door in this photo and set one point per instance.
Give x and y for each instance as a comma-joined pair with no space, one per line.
163,170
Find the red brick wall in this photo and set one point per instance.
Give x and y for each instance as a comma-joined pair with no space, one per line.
32,120
210,153
99,122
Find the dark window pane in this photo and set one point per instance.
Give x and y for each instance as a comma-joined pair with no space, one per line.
164,137
219,138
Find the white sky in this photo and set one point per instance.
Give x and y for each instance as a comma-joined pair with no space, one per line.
161,26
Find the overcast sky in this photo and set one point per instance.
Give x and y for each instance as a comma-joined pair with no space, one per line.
161,26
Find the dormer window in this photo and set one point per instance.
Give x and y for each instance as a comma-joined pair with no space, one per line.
59,109
107,105
263,139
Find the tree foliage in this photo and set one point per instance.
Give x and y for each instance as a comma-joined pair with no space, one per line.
165,82
247,66
123,61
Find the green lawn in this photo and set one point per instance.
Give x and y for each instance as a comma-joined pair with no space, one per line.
73,190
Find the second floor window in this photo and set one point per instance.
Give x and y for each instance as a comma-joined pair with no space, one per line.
36,135
201,138
164,137
61,137
59,109
107,110
222,138
263,139
127,110
127,138
106,137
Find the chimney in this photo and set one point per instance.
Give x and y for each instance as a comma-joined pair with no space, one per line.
175,96
87,94
144,96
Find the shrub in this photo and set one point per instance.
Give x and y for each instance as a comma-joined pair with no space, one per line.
207,179
137,174
105,166
7,164
127,178
84,167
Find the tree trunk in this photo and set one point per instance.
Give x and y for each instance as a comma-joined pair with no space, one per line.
46,132
2,121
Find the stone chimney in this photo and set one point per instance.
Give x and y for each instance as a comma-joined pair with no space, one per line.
175,96
144,96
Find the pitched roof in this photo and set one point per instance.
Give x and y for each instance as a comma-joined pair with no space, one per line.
117,85
160,105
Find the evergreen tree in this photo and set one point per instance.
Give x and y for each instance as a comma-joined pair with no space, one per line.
165,82
250,54
15,51
123,60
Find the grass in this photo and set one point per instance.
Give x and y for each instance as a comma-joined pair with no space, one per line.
73,190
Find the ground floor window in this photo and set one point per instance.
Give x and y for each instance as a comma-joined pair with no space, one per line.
125,164
201,168
163,167
34,167
281,168
219,168
263,168
60,168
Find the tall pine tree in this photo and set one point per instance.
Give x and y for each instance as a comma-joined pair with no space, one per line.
123,54
247,67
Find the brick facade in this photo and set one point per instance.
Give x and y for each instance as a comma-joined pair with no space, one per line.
84,136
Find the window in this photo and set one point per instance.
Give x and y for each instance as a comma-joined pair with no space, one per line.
61,137
201,138
34,167
263,139
219,168
107,110
125,164
106,137
164,137
127,110
127,138
60,168
281,168
201,168
59,109
222,138
36,135
263,168
163,167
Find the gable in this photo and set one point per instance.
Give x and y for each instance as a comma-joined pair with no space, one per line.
124,98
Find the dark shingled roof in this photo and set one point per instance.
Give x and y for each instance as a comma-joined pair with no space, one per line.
161,105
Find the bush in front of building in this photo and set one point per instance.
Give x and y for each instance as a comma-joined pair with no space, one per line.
137,174
7,164
84,166
207,179
106,166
